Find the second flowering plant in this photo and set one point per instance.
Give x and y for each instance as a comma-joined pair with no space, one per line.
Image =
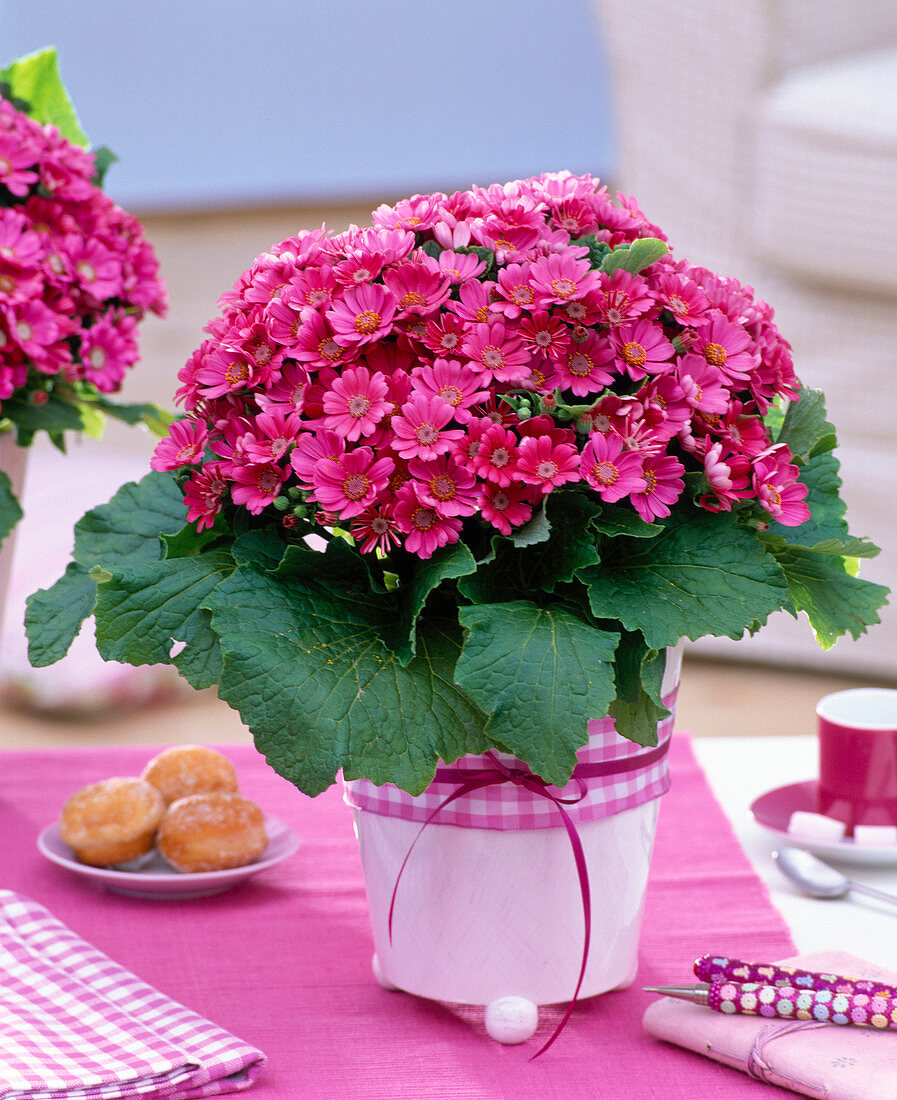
538,449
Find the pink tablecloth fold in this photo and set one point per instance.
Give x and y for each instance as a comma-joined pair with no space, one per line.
74,1024
815,1059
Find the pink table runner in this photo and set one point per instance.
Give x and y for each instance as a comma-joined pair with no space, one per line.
284,961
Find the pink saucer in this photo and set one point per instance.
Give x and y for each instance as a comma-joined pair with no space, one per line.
773,812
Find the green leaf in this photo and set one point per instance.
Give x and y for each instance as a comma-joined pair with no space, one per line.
57,415
125,531
613,520
447,563
835,602
105,158
805,424
597,249
53,616
305,665
540,675
154,417
820,475
36,80
635,256
638,706
10,509
142,611
706,574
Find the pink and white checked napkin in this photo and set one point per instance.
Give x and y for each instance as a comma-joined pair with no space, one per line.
76,1025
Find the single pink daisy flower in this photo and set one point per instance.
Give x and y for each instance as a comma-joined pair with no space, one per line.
622,297
97,269
728,476
560,278
583,369
418,289
108,348
515,291
777,488
681,297
702,386
663,486
375,529
364,314
362,267
726,347
283,320
355,402
542,462
505,507
273,434
184,444
204,494
745,433
33,326
256,485
497,354
424,529
546,335
474,304
316,343
455,383
444,335
445,485
351,484
641,348
458,267
420,427
310,449
496,456
313,287
18,156
287,390
612,471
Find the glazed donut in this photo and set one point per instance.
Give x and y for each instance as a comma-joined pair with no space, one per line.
113,821
183,770
211,832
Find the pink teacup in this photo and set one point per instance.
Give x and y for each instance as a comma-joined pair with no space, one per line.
858,756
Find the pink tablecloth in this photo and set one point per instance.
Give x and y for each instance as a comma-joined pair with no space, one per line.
284,961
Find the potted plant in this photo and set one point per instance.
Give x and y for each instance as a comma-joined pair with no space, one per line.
76,278
449,488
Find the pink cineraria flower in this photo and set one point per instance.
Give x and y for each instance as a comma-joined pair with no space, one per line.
312,448
459,267
612,471
351,484
505,507
702,385
363,314
418,289
225,370
316,343
726,347
20,246
681,297
313,287
546,335
107,349
420,427
542,462
445,485
664,405
641,348
515,290
622,297
560,278
34,327
375,529
362,266
496,455
777,488
455,383
728,475
204,494
184,444
424,529
583,370
273,434
444,335
496,353
355,402
97,269
287,390
256,485
663,486
475,304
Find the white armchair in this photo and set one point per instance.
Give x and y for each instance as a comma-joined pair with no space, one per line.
762,137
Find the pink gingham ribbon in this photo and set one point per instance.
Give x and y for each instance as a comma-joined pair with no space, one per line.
620,774
77,1026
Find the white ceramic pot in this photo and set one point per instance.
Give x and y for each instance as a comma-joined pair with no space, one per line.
12,462
486,915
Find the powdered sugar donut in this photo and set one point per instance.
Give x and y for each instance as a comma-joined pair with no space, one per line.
212,832
113,821
183,770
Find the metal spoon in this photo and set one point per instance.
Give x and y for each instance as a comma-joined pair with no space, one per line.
818,879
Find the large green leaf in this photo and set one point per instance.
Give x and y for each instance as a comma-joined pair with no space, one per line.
540,675
638,706
706,574
835,602
634,257
55,415
446,564
36,80
305,665
53,616
10,509
141,612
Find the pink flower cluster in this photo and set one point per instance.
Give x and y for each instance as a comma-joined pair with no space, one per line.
76,274
466,356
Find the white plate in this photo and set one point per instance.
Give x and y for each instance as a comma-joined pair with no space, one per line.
773,811
154,878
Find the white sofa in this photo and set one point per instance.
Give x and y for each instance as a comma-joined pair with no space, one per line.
762,136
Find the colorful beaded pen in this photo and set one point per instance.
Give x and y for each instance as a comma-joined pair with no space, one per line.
787,1002
718,968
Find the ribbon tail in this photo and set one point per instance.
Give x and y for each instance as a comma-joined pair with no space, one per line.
583,871
465,788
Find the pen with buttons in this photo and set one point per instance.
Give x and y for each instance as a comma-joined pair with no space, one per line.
718,968
788,1002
